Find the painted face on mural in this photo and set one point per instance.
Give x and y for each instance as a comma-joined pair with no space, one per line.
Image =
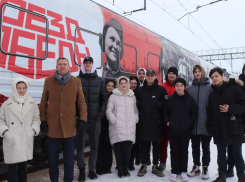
111,47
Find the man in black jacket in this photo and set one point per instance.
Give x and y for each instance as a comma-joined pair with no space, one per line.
95,94
225,106
150,102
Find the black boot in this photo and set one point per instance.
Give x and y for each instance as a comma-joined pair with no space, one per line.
221,178
131,168
120,172
241,178
92,175
81,175
126,172
229,173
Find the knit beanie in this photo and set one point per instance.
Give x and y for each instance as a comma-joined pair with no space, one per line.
174,70
181,80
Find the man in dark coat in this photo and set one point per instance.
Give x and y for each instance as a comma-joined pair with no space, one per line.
225,106
150,102
96,96
242,77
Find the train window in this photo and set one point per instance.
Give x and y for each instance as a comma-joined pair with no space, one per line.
183,68
129,56
153,62
92,37
26,11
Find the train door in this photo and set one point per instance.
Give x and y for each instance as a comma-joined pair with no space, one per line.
153,62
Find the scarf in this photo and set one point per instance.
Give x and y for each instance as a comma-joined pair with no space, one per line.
19,99
124,92
61,81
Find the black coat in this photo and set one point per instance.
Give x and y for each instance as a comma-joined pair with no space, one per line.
150,102
180,112
219,125
242,77
104,135
95,94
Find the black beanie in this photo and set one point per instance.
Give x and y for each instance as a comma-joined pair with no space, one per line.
174,70
181,80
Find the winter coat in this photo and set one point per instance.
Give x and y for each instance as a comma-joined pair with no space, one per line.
150,102
60,113
200,92
122,114
104,134
242,77
18,140
95,94
219,125
180,112
168,86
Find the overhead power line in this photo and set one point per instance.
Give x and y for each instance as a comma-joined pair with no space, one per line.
200,25
181,24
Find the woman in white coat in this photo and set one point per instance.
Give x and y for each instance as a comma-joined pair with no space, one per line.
19,123
122,114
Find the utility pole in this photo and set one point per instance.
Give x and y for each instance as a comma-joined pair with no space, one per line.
231,65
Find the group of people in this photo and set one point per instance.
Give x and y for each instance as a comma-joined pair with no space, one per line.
131,115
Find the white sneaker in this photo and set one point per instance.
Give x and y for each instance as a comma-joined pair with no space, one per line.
205,174
184,177
195,171
173,177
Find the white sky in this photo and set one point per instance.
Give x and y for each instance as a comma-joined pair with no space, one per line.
224,21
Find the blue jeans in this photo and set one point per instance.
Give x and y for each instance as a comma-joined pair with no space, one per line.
68,154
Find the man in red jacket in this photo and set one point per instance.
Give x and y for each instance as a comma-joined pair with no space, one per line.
169,86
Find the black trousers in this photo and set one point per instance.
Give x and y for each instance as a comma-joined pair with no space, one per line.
145,145
122,152
196,140
230,160
104,157
135,152
237,157
17,172
179,151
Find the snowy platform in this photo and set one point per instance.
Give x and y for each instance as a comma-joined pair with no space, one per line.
43,176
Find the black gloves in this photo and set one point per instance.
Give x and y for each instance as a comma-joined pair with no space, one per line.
44,126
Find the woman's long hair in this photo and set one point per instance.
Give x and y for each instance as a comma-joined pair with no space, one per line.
136,79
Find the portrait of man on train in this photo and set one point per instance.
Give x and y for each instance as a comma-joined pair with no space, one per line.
112,37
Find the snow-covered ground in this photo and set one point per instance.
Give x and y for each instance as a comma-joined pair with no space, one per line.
149,177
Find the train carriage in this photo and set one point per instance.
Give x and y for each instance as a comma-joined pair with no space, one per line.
35,33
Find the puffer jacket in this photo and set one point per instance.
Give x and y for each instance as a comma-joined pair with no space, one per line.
169,86
95,94
200,92
122,114
150,102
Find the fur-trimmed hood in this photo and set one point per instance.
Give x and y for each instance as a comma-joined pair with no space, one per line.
233,81
118,92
